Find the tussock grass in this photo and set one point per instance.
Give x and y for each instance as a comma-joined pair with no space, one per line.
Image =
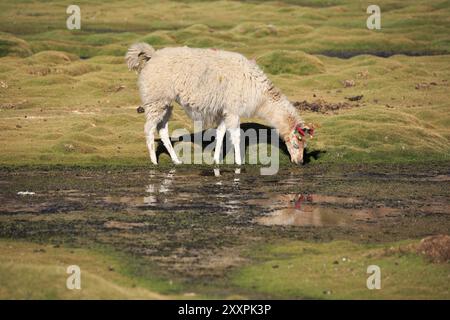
33,271
337,270
11,45
298,63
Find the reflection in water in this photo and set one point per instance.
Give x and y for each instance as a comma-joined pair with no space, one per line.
313,210
224,192
246,196
309,216
153,189
216,191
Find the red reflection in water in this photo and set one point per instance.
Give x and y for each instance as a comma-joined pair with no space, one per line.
302,198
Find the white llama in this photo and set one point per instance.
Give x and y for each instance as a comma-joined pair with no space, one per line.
215,86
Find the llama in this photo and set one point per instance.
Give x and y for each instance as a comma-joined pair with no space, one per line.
215,86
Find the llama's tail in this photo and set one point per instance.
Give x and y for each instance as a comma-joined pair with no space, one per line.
138,54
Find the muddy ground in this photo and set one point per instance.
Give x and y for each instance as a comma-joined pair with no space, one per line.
194,222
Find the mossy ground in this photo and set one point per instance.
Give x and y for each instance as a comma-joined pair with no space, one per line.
338,270
39,271
286,270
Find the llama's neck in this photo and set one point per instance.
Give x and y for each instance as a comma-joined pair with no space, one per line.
280,114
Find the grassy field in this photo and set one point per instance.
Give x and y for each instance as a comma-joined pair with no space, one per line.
66,97
33,271
336,270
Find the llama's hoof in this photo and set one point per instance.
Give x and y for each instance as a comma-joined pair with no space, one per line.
177,162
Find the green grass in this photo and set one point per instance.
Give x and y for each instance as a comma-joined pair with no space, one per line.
34,271
338,270
56,108
287,269
252,26
290,62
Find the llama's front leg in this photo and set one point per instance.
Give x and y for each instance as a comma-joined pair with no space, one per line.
233,125
164,135
220,133
149,130
236,141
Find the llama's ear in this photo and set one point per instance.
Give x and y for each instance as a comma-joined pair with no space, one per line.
309,129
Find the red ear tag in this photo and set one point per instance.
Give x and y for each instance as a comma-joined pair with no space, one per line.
300,130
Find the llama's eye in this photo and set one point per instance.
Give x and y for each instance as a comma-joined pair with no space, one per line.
295,145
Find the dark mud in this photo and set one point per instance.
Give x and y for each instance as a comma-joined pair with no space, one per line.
322,106
194,222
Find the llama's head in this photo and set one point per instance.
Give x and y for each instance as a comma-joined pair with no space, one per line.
296,142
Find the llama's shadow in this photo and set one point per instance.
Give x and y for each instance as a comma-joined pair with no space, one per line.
253,133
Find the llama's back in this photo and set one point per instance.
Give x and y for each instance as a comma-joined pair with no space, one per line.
206,82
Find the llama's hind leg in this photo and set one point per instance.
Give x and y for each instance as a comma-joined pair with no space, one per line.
164,135
149,130
154,114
